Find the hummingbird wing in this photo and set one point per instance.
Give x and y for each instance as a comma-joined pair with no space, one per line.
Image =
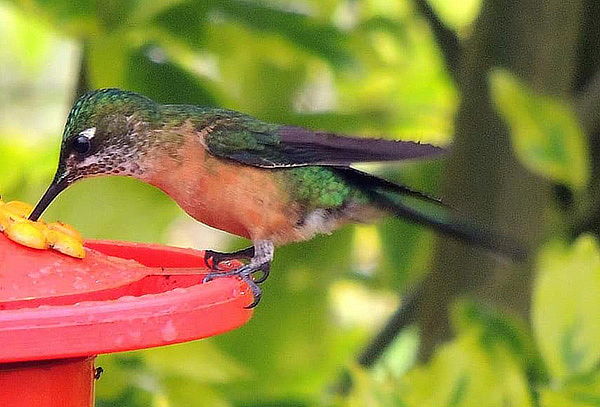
289,146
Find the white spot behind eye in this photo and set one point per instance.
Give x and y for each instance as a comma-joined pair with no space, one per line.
89,133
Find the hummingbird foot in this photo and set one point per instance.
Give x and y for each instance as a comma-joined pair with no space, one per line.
213,258
261,255
246,273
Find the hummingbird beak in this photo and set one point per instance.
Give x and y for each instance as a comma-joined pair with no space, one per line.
55,188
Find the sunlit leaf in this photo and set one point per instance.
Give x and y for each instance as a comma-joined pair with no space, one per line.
26,41
71,17
381,23
545,132
23,170
565,307
496,328
458,15
368,390
580,392
400,356
470,371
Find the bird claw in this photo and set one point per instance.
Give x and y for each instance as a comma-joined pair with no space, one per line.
246,274
266,270
256,292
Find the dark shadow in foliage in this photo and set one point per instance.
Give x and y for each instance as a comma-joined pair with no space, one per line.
164,81
323,40
186,22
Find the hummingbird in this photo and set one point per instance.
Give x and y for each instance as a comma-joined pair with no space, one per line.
270,183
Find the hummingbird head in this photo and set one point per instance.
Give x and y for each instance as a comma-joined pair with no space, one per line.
105,133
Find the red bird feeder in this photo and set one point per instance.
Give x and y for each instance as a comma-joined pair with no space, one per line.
58,312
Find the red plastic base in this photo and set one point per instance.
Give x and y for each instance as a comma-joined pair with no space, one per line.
56,310
54,307
51,383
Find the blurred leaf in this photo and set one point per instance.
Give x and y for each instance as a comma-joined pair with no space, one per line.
117,377
107,60
242,65
187,372
323,40
186,21
122,382
24,170
200,361
407,246
16,157
349,123
146,10
381,23
144,213
272,98
370,391
178,392
164,81
566,306
295,306
459,15
72,17
131,397
580,392
26,41
545,132
114,14
470,370
400,356
496,328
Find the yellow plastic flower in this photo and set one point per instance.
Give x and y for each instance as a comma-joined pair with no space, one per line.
26,234
38,235
18,208
65,243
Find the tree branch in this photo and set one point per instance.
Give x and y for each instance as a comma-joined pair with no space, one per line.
446,38
588,105
400,319
404,315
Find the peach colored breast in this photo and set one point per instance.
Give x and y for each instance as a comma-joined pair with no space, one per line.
239,199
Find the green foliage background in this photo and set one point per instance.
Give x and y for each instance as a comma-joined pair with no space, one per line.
370,67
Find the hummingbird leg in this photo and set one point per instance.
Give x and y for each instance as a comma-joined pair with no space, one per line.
260,261
213,258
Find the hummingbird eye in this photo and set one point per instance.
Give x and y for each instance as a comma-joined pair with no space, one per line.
81,144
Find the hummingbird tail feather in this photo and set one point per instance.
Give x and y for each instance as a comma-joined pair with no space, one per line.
396,199
454,228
